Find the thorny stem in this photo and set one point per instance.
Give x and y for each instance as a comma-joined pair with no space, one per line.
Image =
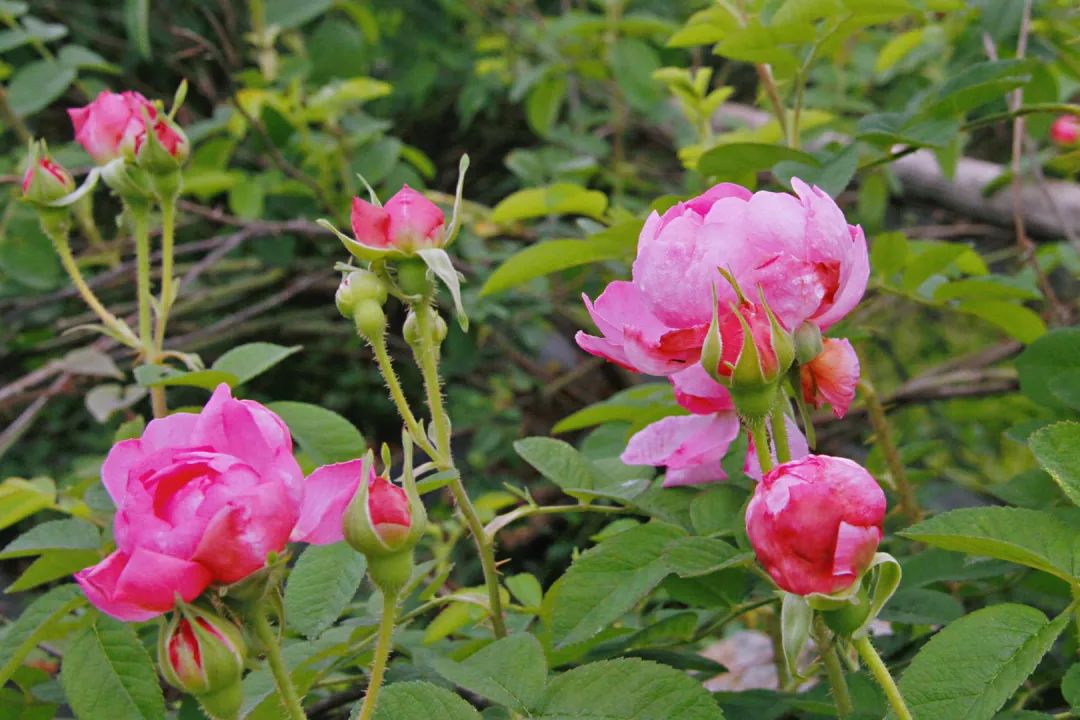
909,505
383,646
834,671
289,699
427,357
881,674
386,368
761,445
779,432
168,232
141,232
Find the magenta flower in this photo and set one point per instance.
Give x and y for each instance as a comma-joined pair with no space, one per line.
407,222
831,377
809,263
200,499
815,523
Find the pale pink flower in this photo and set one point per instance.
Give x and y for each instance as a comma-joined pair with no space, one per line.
109,126
831,377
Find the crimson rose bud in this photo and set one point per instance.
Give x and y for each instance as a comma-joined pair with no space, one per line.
45,181
407,222
203,655
815,523
1065,130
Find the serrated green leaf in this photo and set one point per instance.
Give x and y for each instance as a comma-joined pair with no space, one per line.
1044,360
694,556
21,498
323,434
1018,321
164,376
579,477
526,589
638,405
1045,541
973,666
321,585
511,671
1057,448
544,101
37,84
735,161
51,565
977,85
919,606
413,700
549,256
626,689
253,359
107,673
557,199
1070,685
23,634
69,534
607,580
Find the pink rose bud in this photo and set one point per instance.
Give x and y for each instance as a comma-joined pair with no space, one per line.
379,521
815,523
406,223
46,181
164,150
200,499
831,377
1065,130
203,655
109,126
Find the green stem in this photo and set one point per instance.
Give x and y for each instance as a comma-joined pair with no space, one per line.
908,505
779,432
427,357
761,445
884,678
141,232
168,230
67,260
834,671
386,368
282,678
382,654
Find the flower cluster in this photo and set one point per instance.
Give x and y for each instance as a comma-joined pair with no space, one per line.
205,499
729,295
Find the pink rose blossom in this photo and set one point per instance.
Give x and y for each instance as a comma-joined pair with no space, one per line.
799,249
109,126
200,499
696,391
1065,130
831,377
689,446
408,221
815,523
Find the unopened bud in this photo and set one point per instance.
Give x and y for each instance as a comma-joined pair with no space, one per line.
45,181
808,343
357,286
203,655
413,279
162,147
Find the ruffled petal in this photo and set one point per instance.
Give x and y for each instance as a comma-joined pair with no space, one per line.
327,492
141,585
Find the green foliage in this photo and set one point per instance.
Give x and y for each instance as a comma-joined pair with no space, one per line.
321,584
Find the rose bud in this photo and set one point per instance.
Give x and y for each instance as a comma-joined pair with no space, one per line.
107,128
360,297
406,223
203,655
831,377
748,351
815,524
45,181
164,150
1065,130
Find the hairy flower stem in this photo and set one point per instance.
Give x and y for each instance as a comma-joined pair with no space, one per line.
779,432
908,504
289,699
383,646
884,678
151,352
397,395
761,444
168,232
834,671
427,357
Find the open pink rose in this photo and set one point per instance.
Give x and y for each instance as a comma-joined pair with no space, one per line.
799,249
831,377
407,222
690,447
200,499
815,523
109,126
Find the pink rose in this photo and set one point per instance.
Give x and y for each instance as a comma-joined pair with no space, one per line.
1065,130
815,523
810,264
690,447
200,499
109,126
407,222
696,391
831,377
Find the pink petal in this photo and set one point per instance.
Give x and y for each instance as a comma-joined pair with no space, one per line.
370,224
689,446
239,537
855,548
141,585
415,221
327,492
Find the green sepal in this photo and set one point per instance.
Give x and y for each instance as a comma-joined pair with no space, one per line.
438,261
853,609
390,573
796,618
